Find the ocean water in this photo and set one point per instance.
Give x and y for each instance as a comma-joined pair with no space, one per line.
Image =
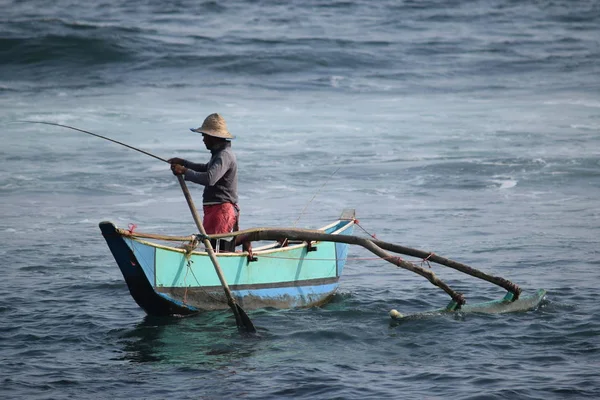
468,128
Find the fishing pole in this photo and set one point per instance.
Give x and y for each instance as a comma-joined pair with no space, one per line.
160,158
315,195
241,318
100,136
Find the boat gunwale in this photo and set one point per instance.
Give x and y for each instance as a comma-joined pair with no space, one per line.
267,249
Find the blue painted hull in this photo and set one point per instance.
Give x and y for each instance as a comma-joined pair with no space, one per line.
166,280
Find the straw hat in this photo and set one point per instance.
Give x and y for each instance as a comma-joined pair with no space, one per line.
214,125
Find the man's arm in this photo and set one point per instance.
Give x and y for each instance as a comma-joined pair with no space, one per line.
188,164
199,167
210,176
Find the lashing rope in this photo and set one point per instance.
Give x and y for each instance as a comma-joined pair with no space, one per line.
131,227
426,260
357,223
374,236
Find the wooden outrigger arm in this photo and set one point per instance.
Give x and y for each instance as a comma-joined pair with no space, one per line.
307,235
377,247
496,280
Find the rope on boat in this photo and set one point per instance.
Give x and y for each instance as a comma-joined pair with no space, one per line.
315,195
426,261
357,223
188,268
189,248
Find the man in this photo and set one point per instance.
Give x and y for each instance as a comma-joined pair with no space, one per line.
219,176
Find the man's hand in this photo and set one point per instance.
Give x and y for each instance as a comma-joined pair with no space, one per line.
176,160
178,169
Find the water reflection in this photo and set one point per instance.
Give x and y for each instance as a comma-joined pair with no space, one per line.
210,339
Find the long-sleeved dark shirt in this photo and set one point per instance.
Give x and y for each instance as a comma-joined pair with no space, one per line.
219,176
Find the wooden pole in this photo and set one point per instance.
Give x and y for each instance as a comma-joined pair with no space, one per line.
241,318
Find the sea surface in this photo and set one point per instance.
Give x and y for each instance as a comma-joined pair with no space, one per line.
467,128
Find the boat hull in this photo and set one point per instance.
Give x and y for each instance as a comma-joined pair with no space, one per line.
166,280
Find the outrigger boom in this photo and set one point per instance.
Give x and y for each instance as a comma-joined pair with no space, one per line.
377,247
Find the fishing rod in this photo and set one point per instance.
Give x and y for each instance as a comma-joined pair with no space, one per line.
241,318
100,136
315,195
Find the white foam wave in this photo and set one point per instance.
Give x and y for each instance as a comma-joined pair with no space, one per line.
141,203
586,127
24,178
508,184
504,182
577,102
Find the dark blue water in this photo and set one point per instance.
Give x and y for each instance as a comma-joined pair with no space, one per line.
468,128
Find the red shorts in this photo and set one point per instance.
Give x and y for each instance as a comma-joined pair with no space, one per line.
219,218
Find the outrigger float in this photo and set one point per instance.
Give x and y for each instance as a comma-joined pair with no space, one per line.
299,268
506,305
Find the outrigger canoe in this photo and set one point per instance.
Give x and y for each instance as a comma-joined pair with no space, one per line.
166,279
300,268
